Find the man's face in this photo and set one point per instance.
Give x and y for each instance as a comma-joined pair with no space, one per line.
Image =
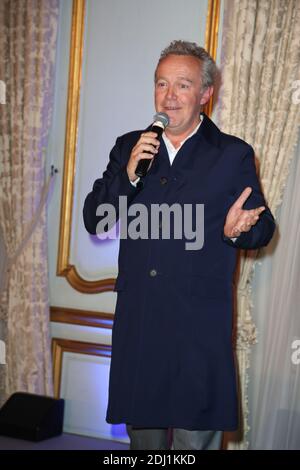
179,94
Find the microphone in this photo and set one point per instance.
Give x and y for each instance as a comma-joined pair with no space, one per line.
161,120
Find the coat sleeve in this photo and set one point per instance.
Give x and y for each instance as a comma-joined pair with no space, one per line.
261,233
106,190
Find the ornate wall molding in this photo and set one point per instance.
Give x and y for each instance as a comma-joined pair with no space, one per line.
211,38
64,267
61,346
81,317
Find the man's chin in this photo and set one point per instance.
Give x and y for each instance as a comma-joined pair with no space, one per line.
173,122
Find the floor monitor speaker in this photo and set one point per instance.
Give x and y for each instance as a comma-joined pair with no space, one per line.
31,417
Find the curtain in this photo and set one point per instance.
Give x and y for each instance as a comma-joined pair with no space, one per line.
274,387
28,30
260,67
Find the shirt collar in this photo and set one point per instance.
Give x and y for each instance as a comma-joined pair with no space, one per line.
169,144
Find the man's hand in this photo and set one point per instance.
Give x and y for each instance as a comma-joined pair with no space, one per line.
146,143
239,220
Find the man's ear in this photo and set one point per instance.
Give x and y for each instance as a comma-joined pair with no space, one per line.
206,95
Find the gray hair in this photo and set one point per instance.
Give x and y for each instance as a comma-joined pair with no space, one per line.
209,69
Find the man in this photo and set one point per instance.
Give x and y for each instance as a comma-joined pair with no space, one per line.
172,361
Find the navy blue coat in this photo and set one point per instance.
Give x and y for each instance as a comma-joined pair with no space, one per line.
172,356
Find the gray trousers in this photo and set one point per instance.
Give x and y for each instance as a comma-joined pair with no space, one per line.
181,439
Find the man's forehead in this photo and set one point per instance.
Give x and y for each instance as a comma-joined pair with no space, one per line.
183,66
180,60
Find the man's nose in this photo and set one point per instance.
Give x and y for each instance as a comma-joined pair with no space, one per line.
171,92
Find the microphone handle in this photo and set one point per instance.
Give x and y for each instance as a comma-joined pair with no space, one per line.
144,163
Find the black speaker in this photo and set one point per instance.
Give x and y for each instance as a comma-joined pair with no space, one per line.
32,417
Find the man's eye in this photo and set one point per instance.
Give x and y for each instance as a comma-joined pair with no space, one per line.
161,84
183,86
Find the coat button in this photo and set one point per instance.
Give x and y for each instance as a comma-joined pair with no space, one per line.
153,272
163,180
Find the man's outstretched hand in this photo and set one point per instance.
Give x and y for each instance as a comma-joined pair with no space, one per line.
240,220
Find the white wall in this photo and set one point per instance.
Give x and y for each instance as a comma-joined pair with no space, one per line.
123,40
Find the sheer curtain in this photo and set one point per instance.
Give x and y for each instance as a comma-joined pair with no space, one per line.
260,65
28,31
274,386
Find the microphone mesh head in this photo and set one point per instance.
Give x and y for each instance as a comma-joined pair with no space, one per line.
163,118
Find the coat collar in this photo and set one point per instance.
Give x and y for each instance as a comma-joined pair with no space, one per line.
209,132
208,137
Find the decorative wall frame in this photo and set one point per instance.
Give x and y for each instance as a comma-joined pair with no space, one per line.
61,346
64,267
